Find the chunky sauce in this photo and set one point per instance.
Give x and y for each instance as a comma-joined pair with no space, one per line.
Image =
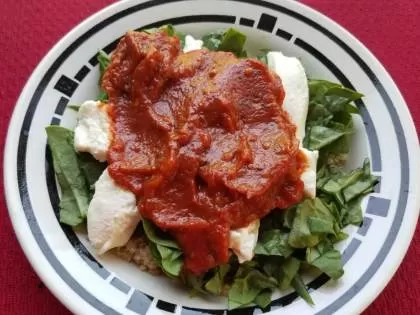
201,139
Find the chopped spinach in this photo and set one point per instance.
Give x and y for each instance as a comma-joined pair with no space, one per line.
300,287
313,220
274,242
216,283
329,123
226,40
248,284
329,262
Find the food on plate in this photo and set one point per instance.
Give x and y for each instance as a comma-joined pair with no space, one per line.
226,169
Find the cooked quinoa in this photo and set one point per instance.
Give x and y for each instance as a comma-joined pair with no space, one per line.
137,251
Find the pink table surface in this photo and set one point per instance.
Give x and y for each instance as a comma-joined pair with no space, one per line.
390,28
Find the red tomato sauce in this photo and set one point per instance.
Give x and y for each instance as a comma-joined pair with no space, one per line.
201,139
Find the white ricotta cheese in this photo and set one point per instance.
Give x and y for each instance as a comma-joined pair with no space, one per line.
243,241
112,215
295,84
308,176
192,44
92,133
296,102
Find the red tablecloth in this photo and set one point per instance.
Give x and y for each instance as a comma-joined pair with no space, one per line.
28,29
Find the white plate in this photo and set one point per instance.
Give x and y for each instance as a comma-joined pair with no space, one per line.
69,73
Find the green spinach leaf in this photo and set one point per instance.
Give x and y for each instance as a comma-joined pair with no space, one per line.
326,258
321,136
165,250
346,189
75,194
312,221
263,299
181,37
74,107
288,270
333,96
157,236
168,28
171,260
217,281
196,283
274,242
246,287
228,40
91,168
330,263
299,286
329,123
352,212
104,62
